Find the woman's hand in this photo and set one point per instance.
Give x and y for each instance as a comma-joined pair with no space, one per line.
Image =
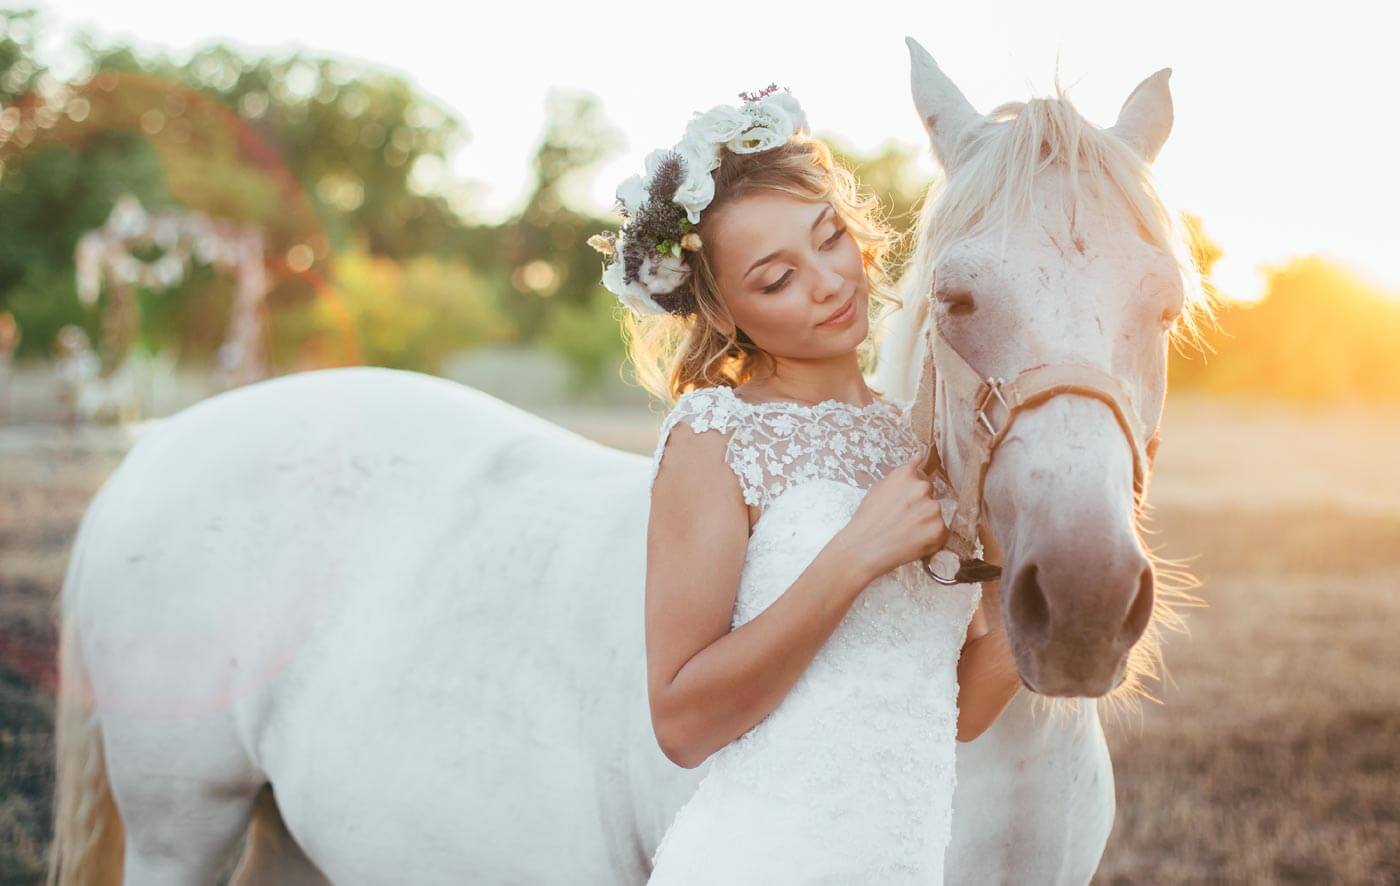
898,521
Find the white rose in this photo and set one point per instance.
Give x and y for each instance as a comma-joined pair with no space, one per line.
760,138
698,189
694,196
770,116
699,153
785,104
633,193
717,125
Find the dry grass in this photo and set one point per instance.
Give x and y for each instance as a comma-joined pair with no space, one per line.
1275,756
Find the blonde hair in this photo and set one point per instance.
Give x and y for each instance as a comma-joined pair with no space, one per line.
671,354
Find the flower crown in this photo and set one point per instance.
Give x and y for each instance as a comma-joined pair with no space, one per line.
643,262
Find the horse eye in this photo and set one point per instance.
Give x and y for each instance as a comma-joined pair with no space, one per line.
957,302
1172,312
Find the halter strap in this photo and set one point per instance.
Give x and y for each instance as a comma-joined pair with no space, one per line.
995,403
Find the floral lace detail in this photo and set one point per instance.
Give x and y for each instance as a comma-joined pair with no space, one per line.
776,445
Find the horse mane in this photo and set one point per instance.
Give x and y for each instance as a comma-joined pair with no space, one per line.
996,162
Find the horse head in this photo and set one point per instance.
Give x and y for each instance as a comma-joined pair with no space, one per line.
1045,251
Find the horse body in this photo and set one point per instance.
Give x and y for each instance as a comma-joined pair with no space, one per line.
416,612
400,602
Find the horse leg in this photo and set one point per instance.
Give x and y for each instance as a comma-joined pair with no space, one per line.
180,830
271,854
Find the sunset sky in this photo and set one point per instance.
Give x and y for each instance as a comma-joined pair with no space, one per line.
1286,137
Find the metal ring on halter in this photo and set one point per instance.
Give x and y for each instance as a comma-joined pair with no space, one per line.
928,568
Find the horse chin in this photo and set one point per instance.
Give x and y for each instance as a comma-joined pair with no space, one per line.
1076,688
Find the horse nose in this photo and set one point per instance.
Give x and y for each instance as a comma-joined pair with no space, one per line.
1140,611
1032,612
1029,609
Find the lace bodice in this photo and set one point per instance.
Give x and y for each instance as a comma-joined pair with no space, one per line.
776,445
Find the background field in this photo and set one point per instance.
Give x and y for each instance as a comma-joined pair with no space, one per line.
1273,757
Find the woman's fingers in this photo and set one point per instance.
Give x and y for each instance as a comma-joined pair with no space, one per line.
918,462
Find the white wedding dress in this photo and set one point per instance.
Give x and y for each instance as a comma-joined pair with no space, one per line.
850,779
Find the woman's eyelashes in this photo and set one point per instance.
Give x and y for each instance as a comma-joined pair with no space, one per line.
783,280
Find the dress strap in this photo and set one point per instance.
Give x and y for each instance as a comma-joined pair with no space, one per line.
707,409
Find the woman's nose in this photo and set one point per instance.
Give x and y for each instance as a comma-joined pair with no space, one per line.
830,283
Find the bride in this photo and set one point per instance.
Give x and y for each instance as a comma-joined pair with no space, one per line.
791,634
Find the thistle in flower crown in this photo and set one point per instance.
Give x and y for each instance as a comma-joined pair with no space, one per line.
645,263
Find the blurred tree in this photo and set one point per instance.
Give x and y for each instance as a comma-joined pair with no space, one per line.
363,147
412,314
49,197
1320,334
544,251
312,150
892,174
20,70
588,337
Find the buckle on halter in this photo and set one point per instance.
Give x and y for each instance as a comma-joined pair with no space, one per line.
993,388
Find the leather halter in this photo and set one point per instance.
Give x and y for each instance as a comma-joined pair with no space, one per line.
996,403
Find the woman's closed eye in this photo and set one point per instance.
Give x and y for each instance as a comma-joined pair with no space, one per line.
783,280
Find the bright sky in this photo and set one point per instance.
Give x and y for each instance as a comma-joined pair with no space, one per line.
1285,139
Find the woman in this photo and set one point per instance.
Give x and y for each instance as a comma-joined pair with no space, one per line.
792,636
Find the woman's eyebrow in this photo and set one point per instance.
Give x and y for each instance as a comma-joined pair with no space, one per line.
772,255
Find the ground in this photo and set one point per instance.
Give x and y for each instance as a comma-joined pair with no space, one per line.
1274,754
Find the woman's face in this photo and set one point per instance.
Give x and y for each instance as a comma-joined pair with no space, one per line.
790,274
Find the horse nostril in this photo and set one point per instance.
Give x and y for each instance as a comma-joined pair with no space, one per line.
1030,611
1140,613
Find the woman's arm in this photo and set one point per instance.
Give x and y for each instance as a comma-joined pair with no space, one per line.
708,684
987,677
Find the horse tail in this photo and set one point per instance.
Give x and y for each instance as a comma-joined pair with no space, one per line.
87,845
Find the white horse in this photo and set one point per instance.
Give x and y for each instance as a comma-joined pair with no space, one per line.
396,624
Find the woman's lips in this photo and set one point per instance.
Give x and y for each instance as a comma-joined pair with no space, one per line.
842,315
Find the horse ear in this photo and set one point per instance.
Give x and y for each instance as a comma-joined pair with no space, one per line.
1145,119
943,109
